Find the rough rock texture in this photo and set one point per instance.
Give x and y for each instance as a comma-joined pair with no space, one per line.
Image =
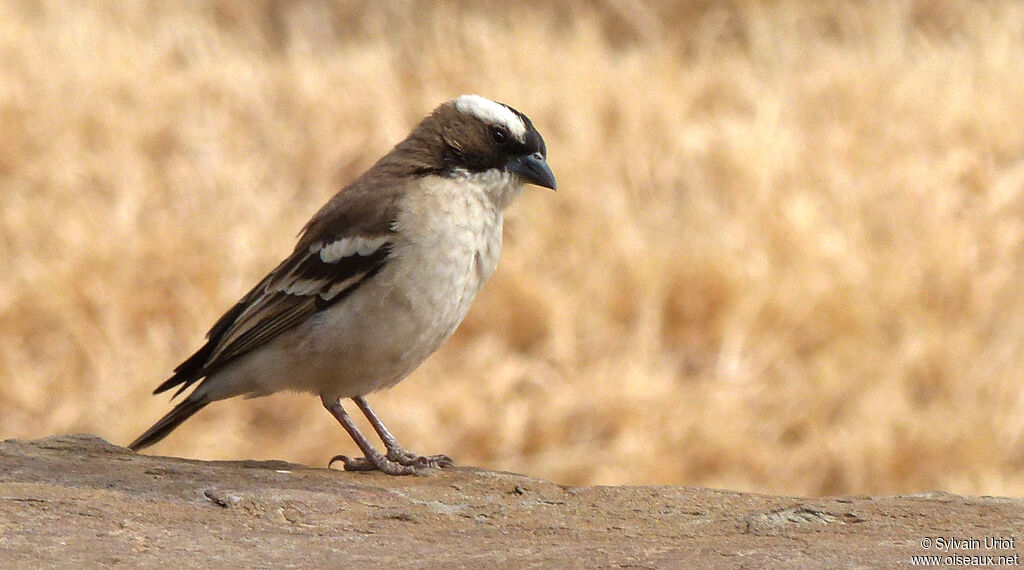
80,501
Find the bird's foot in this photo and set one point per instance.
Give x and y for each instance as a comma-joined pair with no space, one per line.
396,462
375,462
403,457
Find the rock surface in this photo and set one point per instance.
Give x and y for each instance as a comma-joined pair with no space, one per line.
79,501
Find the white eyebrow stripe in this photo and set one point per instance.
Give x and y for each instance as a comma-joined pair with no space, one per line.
349,246
494,113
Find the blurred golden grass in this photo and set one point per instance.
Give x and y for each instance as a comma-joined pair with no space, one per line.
786,254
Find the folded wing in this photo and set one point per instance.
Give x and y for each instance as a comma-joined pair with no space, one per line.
311,279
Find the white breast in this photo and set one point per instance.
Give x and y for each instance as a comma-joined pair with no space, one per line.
451,242
446,245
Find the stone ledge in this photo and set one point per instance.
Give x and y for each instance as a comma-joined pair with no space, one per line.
77,500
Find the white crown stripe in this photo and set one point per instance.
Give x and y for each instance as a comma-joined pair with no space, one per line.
493,113
349,246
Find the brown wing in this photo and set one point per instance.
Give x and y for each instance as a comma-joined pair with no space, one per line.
304,284
344,245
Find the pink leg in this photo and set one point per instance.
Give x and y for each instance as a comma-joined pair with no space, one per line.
373,458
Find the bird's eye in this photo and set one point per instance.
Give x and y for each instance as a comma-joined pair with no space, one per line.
499,134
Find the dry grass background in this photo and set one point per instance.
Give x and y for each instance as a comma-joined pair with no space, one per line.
786,254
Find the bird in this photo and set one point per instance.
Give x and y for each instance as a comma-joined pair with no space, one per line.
380,277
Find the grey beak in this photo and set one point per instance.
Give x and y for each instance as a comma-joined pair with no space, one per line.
533,169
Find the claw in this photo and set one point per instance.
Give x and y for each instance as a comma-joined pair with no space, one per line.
404,463
403,457
375,463
353,463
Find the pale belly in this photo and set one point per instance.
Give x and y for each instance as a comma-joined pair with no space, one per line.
385,337
376,336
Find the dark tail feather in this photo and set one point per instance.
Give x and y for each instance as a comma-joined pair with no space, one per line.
166,425
188,372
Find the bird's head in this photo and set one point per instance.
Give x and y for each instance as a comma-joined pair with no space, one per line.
476,137
483,135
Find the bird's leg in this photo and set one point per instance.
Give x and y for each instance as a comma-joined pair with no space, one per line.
395,451
373,459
